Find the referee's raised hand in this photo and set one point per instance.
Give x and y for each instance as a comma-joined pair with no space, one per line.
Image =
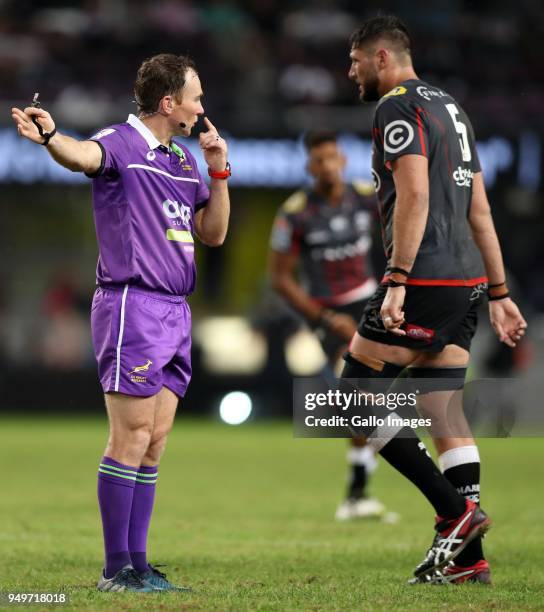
27,128
213,147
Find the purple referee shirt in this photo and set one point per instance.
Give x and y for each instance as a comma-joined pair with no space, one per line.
145,196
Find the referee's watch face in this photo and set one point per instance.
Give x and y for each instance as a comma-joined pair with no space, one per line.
190,108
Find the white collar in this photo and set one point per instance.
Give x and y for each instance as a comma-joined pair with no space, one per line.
144,131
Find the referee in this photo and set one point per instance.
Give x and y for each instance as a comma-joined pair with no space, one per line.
149,200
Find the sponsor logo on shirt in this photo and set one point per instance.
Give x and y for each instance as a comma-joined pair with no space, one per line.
318,236
376,180
102,133
362,221
339,224
339,253
397,91
179,213
419,333
427,93
463,176
397,136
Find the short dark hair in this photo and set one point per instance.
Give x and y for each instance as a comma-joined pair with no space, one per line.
159,76
389,27
316,138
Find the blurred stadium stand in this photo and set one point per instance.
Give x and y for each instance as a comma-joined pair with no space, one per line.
266,64
270,70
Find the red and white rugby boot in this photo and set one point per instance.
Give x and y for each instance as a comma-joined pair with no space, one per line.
456,574
452,536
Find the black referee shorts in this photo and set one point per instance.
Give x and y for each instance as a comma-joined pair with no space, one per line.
435,317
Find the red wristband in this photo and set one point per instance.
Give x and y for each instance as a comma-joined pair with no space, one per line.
223,174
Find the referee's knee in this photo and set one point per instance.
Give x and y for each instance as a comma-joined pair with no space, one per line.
131,441
155,449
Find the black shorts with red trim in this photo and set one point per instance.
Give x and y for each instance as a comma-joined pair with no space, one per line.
435,317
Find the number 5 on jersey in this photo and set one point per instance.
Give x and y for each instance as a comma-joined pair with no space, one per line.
461,129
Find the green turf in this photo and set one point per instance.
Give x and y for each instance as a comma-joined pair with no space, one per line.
244,516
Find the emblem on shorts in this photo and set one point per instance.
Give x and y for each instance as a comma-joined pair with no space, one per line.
135,375
142,368
419,333
477,291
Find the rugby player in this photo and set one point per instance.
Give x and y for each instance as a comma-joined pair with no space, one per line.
443,255
324,233
149,200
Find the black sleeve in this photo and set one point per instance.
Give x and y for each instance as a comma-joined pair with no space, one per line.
102,163
114,151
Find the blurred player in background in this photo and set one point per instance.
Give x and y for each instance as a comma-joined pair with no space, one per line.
149,200
320,263
437,228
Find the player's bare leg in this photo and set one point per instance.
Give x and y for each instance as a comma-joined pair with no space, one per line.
397,355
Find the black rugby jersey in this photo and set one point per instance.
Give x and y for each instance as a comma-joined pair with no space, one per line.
417,118
332,242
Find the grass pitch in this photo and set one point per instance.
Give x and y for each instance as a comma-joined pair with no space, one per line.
244,515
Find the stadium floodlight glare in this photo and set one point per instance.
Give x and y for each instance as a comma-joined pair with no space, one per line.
217,335
303,354
235,407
